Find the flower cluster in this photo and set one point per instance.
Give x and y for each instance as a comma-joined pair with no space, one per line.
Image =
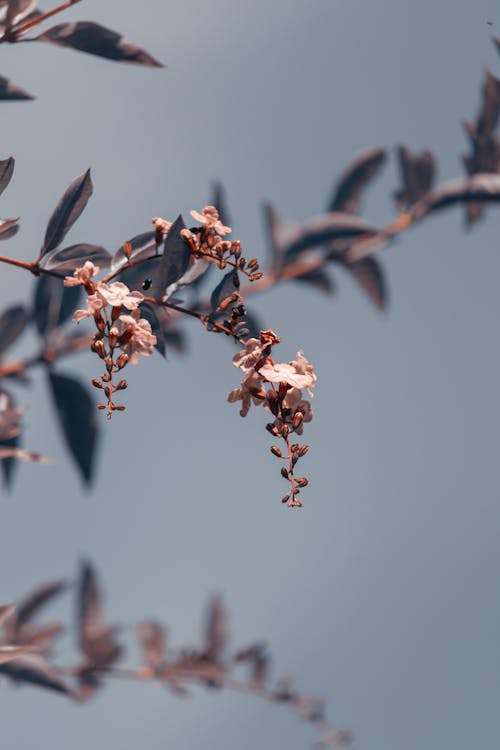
278,387
128,333
208,242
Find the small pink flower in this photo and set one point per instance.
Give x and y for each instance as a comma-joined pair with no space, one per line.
210,218
139,338
248,357
116,295
298,373
82,275
119,295
250,385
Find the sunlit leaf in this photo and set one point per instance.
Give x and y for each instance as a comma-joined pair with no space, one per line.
66,260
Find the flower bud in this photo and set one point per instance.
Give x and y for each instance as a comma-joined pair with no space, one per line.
276,451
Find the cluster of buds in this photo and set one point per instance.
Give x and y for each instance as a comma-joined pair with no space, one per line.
208,242
120,337
278,387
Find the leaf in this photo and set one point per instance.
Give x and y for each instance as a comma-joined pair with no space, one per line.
10,92
216,630
17,11
371,278
90,37
220,203
6,612
77,416
174,261
42,595
10,418
353,180
54,303
7,653
73,257
67,211
152,643
142,246
227,287
34,669
417,174
319,279
272,226
8,453
97,641
6,171
12,323
480,187
8,228
322,230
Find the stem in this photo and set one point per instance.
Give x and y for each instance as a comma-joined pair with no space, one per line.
33,267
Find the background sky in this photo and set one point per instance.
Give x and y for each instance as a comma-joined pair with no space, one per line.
381,593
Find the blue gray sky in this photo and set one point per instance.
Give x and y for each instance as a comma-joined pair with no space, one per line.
381,594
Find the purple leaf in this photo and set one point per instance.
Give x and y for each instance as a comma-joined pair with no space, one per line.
37,599
319,279
216,630
8,228
10,92
370,276
322,230
77,416
12,323
65,261
6,171
228,286
97,40
54,303
67,211
142,246
480,187
347,192
417,174
174,261
97,641
34,669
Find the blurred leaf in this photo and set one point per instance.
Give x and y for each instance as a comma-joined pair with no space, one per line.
12,323
54,303
7,653
272,226
37,599
417,175
17,11
68,259
321,231
97,641
353,180
97,40
10,92
6,171
12,441
67,211
216,630
77,416
370,276
34,669
317,278
480,187
220,203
